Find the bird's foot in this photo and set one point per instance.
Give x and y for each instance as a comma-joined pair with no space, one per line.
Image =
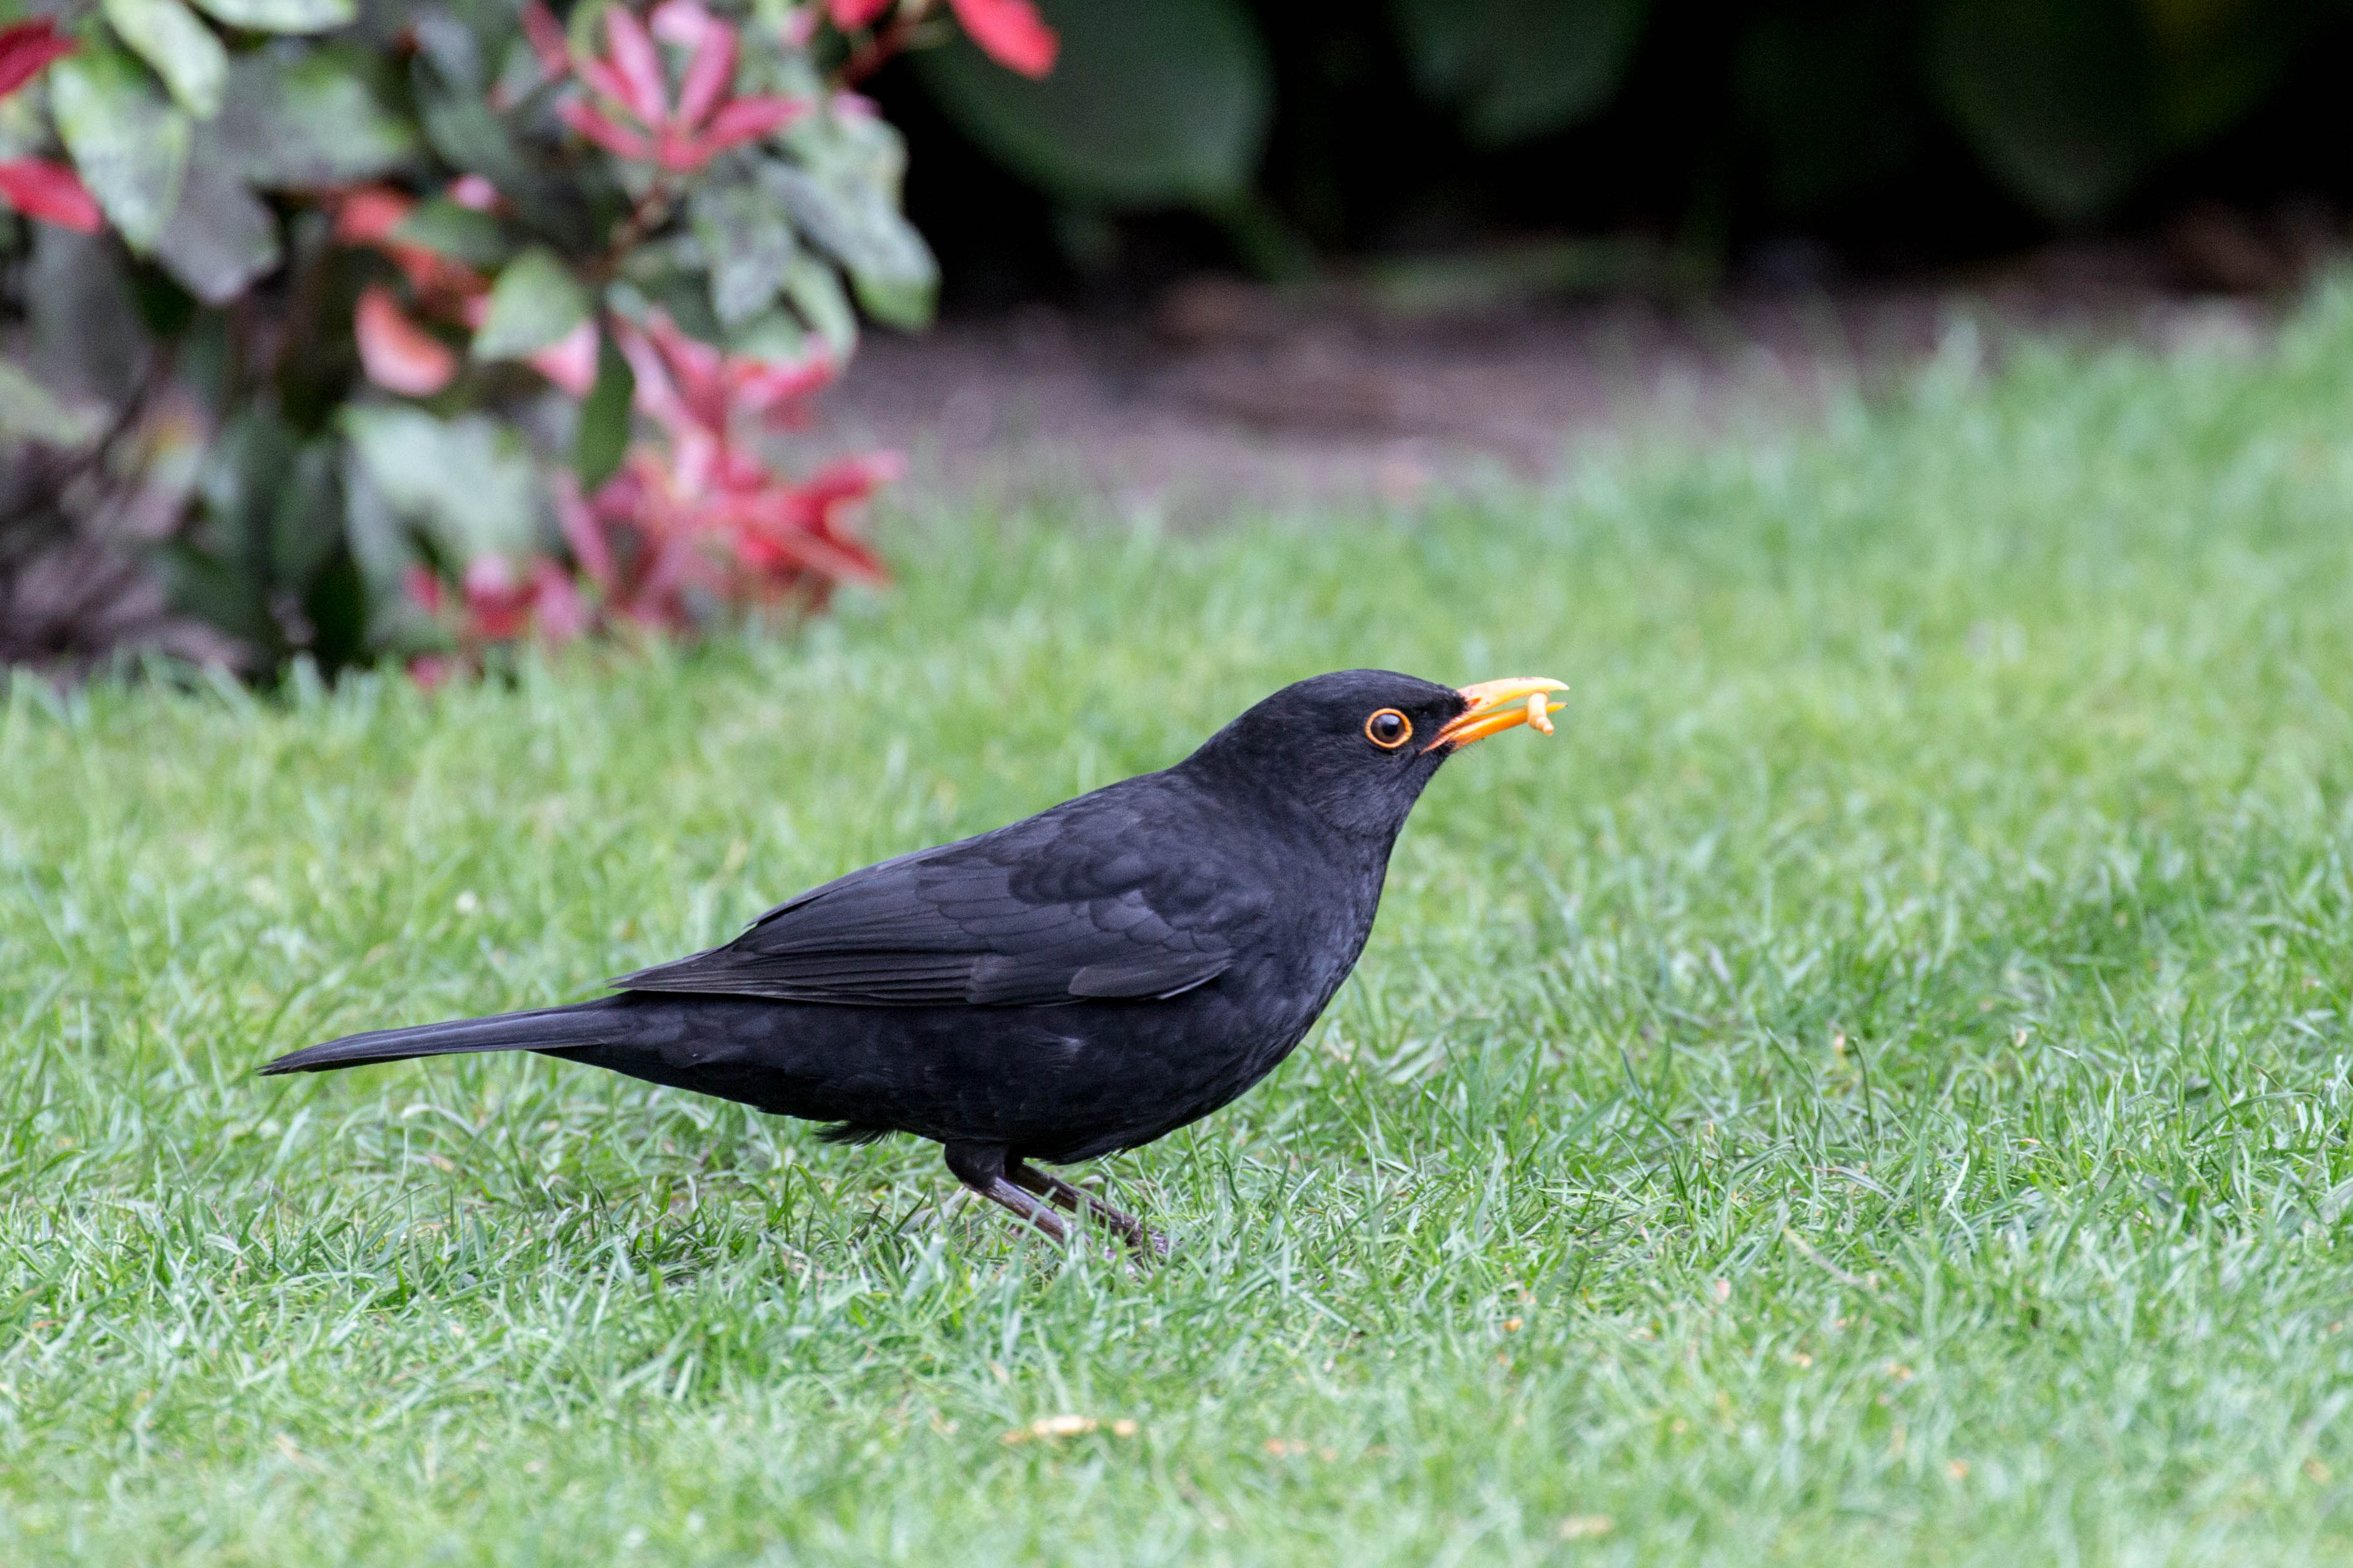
1055,1190
1000,1191
981,1167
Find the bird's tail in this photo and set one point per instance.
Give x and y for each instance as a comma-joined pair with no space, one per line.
542,1028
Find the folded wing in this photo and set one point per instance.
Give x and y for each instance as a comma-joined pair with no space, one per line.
1063,908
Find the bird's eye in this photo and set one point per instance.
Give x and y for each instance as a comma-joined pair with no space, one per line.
1388,729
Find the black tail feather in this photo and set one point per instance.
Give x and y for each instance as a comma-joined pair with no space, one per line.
851,1133
542,1028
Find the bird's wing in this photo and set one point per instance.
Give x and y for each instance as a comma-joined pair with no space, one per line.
1066,906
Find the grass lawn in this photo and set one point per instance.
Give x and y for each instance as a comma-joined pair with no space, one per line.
1871,1088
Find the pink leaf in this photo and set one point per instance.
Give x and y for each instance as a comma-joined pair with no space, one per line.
696,369
852,15
584,532
1011,33
423,588
26,48
558,612
51,191
645,95
585,119
474,192
681,22
399,354
708,75
547,39
432,670
600,75
775,392
747,120
570,361
656,398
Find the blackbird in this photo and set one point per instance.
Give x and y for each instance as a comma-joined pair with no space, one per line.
1084,981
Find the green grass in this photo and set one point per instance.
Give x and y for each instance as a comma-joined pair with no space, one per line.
1870,1089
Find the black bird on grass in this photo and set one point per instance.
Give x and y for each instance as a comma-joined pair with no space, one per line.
1082,981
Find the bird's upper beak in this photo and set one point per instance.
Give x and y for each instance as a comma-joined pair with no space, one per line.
1496,706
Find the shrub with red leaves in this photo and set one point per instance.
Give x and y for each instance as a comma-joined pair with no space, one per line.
531,383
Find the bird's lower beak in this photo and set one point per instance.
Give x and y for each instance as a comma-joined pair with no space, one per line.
1496,706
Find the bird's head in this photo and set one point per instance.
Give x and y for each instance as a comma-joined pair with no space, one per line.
1359,745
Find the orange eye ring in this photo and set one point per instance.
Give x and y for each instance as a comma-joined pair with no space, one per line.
1388,729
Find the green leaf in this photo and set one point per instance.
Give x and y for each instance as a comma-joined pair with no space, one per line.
1519,68
2055,95
284,16
220,237
816,292
2217,59
460,233
183,50
535,301
775,336
845,197
213,590
1151,102
1831,92
467,132
467,481
29,412
239,486
129,143
747,244
311,115
603,438
306,522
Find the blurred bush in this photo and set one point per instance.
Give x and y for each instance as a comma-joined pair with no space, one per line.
1350,125
374,326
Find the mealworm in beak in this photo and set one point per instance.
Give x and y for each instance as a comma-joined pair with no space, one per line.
1539,720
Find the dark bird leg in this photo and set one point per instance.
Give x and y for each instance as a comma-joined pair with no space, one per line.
981,1167
1055,1190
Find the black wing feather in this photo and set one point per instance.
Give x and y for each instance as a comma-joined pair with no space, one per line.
1059,908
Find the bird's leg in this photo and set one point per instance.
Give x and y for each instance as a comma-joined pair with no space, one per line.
1055,1190
981,1167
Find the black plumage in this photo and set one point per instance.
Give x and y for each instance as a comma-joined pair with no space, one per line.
1083,981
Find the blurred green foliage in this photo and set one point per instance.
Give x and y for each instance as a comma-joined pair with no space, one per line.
1351,119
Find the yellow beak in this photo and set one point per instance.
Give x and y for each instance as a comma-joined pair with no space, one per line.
1496,706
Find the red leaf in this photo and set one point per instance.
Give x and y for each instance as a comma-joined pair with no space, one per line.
852,15
26,48
585,119
1011,33
399,354
547,39
708,75
645,94
51,191
498,605
369,215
